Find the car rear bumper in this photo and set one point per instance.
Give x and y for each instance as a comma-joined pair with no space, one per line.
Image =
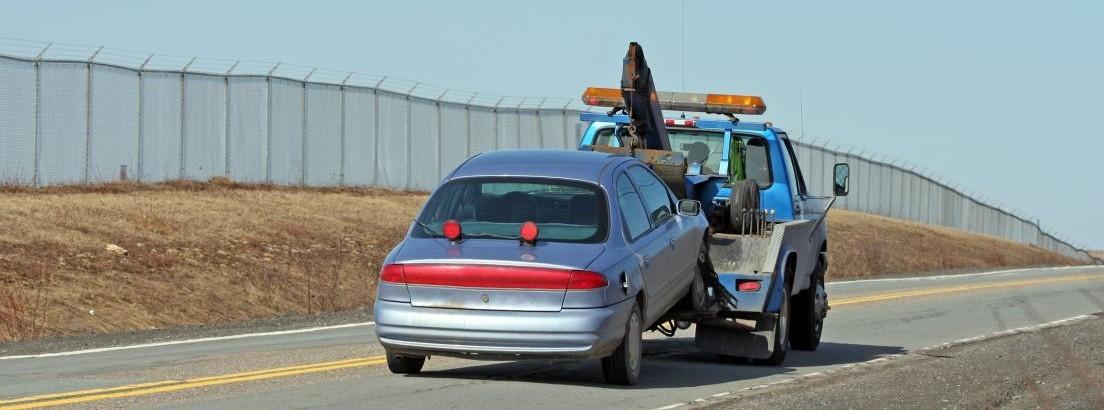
496,334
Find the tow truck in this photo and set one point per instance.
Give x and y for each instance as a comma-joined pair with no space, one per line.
761,289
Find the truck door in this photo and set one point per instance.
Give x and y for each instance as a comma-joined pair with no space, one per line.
797,183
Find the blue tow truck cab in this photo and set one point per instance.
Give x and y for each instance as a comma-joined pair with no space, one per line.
767,281
761,285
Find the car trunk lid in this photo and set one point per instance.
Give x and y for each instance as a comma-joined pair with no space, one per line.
492,274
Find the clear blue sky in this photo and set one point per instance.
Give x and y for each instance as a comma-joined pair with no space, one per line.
1001,96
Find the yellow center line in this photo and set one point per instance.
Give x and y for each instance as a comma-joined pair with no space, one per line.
961,288
142,389
174,385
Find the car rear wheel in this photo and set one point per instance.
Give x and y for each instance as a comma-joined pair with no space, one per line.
399,364
623,366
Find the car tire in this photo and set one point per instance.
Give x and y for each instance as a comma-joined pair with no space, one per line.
704,267
808,315
399,364
623,366
781,336
744,195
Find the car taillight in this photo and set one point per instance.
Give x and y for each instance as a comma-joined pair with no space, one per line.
586,280
392,273
501,277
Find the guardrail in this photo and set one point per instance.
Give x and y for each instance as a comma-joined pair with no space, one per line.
84,114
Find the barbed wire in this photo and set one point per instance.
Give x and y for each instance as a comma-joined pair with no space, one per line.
150,62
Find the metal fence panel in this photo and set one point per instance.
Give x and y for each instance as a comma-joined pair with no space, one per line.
507,129
454,137
17,122
481,130
323,167
204,126
552,129
529,130
285,152
360,137
424,141
113,123
160,126
63,123
247,149
394,126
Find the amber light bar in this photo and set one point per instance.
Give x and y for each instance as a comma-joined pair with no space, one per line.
676,101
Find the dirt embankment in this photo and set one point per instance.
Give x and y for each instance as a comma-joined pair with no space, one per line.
77,260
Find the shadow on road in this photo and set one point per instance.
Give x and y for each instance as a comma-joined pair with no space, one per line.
668,363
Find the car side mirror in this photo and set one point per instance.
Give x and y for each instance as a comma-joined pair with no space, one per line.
689,207
842,174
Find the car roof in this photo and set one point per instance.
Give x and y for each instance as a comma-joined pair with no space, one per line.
568,164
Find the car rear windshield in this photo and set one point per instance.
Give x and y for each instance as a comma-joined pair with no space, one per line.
565,211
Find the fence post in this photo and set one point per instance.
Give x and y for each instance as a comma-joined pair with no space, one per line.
37,172
226,151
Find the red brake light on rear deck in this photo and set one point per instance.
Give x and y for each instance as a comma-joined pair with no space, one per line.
529,232
451,229
392,273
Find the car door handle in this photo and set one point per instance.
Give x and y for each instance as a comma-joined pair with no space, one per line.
671,242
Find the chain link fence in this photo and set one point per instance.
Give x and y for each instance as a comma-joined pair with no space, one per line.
82,114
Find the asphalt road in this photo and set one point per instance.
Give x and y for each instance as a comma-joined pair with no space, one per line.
342,367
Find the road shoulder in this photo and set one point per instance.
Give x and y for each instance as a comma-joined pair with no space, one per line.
1058,365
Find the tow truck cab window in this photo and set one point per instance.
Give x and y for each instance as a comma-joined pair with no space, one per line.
798,182
656,200
495,208
704,147
633,215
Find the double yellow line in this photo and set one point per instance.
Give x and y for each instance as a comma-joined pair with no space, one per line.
132,390
963,288
174,385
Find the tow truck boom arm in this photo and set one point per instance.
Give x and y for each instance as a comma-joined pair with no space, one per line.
642,101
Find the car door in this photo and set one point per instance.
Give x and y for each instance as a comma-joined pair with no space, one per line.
644,242
667,272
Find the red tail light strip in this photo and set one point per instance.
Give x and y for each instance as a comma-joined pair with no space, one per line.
492,277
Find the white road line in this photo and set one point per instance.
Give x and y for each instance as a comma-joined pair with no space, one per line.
875,361
188,341
964,275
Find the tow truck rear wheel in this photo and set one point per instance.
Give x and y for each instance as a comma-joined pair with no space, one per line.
781,334
810,308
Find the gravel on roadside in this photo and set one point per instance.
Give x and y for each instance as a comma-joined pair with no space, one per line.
1058,367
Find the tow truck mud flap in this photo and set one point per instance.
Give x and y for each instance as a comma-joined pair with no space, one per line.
731,341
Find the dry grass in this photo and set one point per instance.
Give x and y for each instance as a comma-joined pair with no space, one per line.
199,253
863,245
195,253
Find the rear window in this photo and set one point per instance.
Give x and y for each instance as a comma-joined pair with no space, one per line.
495,208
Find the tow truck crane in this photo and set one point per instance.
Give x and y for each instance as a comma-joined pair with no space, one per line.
761,289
